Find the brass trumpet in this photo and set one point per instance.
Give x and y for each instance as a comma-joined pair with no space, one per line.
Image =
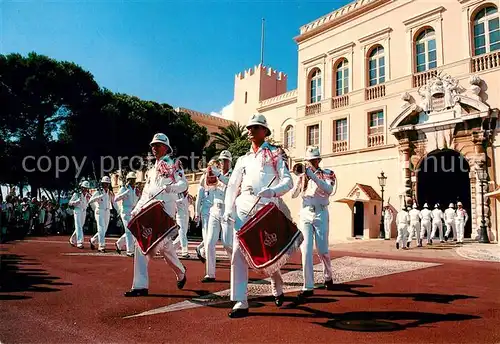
211,178
300,168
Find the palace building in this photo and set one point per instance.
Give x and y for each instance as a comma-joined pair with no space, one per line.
410,88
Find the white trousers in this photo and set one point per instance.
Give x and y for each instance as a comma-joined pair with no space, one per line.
204,229
450,226
436,226
426,228
239,266
314,225
182,219
460,225
387,229
79,218
127,240
403,234
102,217
414,230
141,275
215,226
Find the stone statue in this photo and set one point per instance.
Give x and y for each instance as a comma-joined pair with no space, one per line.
425,94
451,89
475,88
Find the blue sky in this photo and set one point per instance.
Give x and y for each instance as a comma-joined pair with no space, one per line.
184,53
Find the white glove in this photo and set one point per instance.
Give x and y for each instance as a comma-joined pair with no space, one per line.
216,171
227,217
167,188
266,193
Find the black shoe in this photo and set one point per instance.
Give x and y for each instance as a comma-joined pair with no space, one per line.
117,248
200,257
278,300
208,279
408,244
182,282
329,285
92,246
136,292
303,295
238,313
397,245
429,242
445,238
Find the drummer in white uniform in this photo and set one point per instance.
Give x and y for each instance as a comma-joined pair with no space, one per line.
128,194
164,175
253,173
79,201
102,200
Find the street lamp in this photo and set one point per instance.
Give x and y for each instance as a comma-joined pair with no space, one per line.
482,175
381,181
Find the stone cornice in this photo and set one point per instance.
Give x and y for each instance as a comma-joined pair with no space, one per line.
377,34
313,59
342,48
426,16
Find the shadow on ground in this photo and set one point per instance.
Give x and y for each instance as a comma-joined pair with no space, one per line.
16,275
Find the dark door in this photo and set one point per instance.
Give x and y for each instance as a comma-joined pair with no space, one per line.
358,219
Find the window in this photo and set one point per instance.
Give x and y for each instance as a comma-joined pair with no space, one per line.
376,66
289,137
425,50
246,97
313,135
315,87
341,130
486,31
342,78
376,119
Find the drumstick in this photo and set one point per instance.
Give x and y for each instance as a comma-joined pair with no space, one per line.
258,199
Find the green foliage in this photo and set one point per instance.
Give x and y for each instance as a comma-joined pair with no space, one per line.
229,135
239,148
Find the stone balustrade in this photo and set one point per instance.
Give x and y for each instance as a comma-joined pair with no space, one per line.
375,92
485,62
339,146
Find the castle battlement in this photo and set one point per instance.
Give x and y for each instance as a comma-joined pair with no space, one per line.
263,70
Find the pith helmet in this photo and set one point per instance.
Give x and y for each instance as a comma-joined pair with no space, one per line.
450,205
436,205
460,203
106,179
85,184
312,153
131,175
425,205
163,139
225,154
259,119
414,206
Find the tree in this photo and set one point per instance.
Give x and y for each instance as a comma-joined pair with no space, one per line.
229,135
239,148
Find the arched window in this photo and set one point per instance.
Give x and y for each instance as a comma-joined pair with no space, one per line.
376,66
289,137
486,31
315,87
342,78
425,50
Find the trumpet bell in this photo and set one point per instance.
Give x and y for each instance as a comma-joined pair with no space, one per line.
298,169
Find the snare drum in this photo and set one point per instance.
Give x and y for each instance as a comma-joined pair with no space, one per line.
151,225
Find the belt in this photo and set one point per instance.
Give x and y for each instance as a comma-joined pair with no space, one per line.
316,207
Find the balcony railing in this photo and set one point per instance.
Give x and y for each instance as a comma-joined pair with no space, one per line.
421,79
340,101
375,92
339,146
485,61
376,139
313,109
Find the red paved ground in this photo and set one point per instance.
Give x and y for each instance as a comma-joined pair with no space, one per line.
47,297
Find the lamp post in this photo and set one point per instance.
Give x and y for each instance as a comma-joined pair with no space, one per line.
381,181
482,175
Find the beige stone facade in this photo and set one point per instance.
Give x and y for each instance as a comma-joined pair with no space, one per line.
390,86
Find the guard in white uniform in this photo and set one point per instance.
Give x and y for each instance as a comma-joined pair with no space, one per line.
128,194
437,222
402,221
164,175
460,221
315,185
79,201
414,230
204,201
449,219
103,200
388,218
254,173
426,221
215,224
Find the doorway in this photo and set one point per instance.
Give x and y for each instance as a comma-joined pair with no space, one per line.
358,213
443,177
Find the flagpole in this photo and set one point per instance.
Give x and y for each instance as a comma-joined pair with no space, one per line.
262,43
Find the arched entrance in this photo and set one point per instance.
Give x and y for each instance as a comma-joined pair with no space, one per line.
443,177
359,219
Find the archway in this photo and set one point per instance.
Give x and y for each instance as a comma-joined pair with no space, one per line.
443,177
359,219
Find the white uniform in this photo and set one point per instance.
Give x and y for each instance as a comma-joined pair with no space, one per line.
253,173
314,221
414,230
204,201
437,223
129,198
102,201
216,225
449,218
79,201
182,219
460,221
388,218
162,174
426,222
402,221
